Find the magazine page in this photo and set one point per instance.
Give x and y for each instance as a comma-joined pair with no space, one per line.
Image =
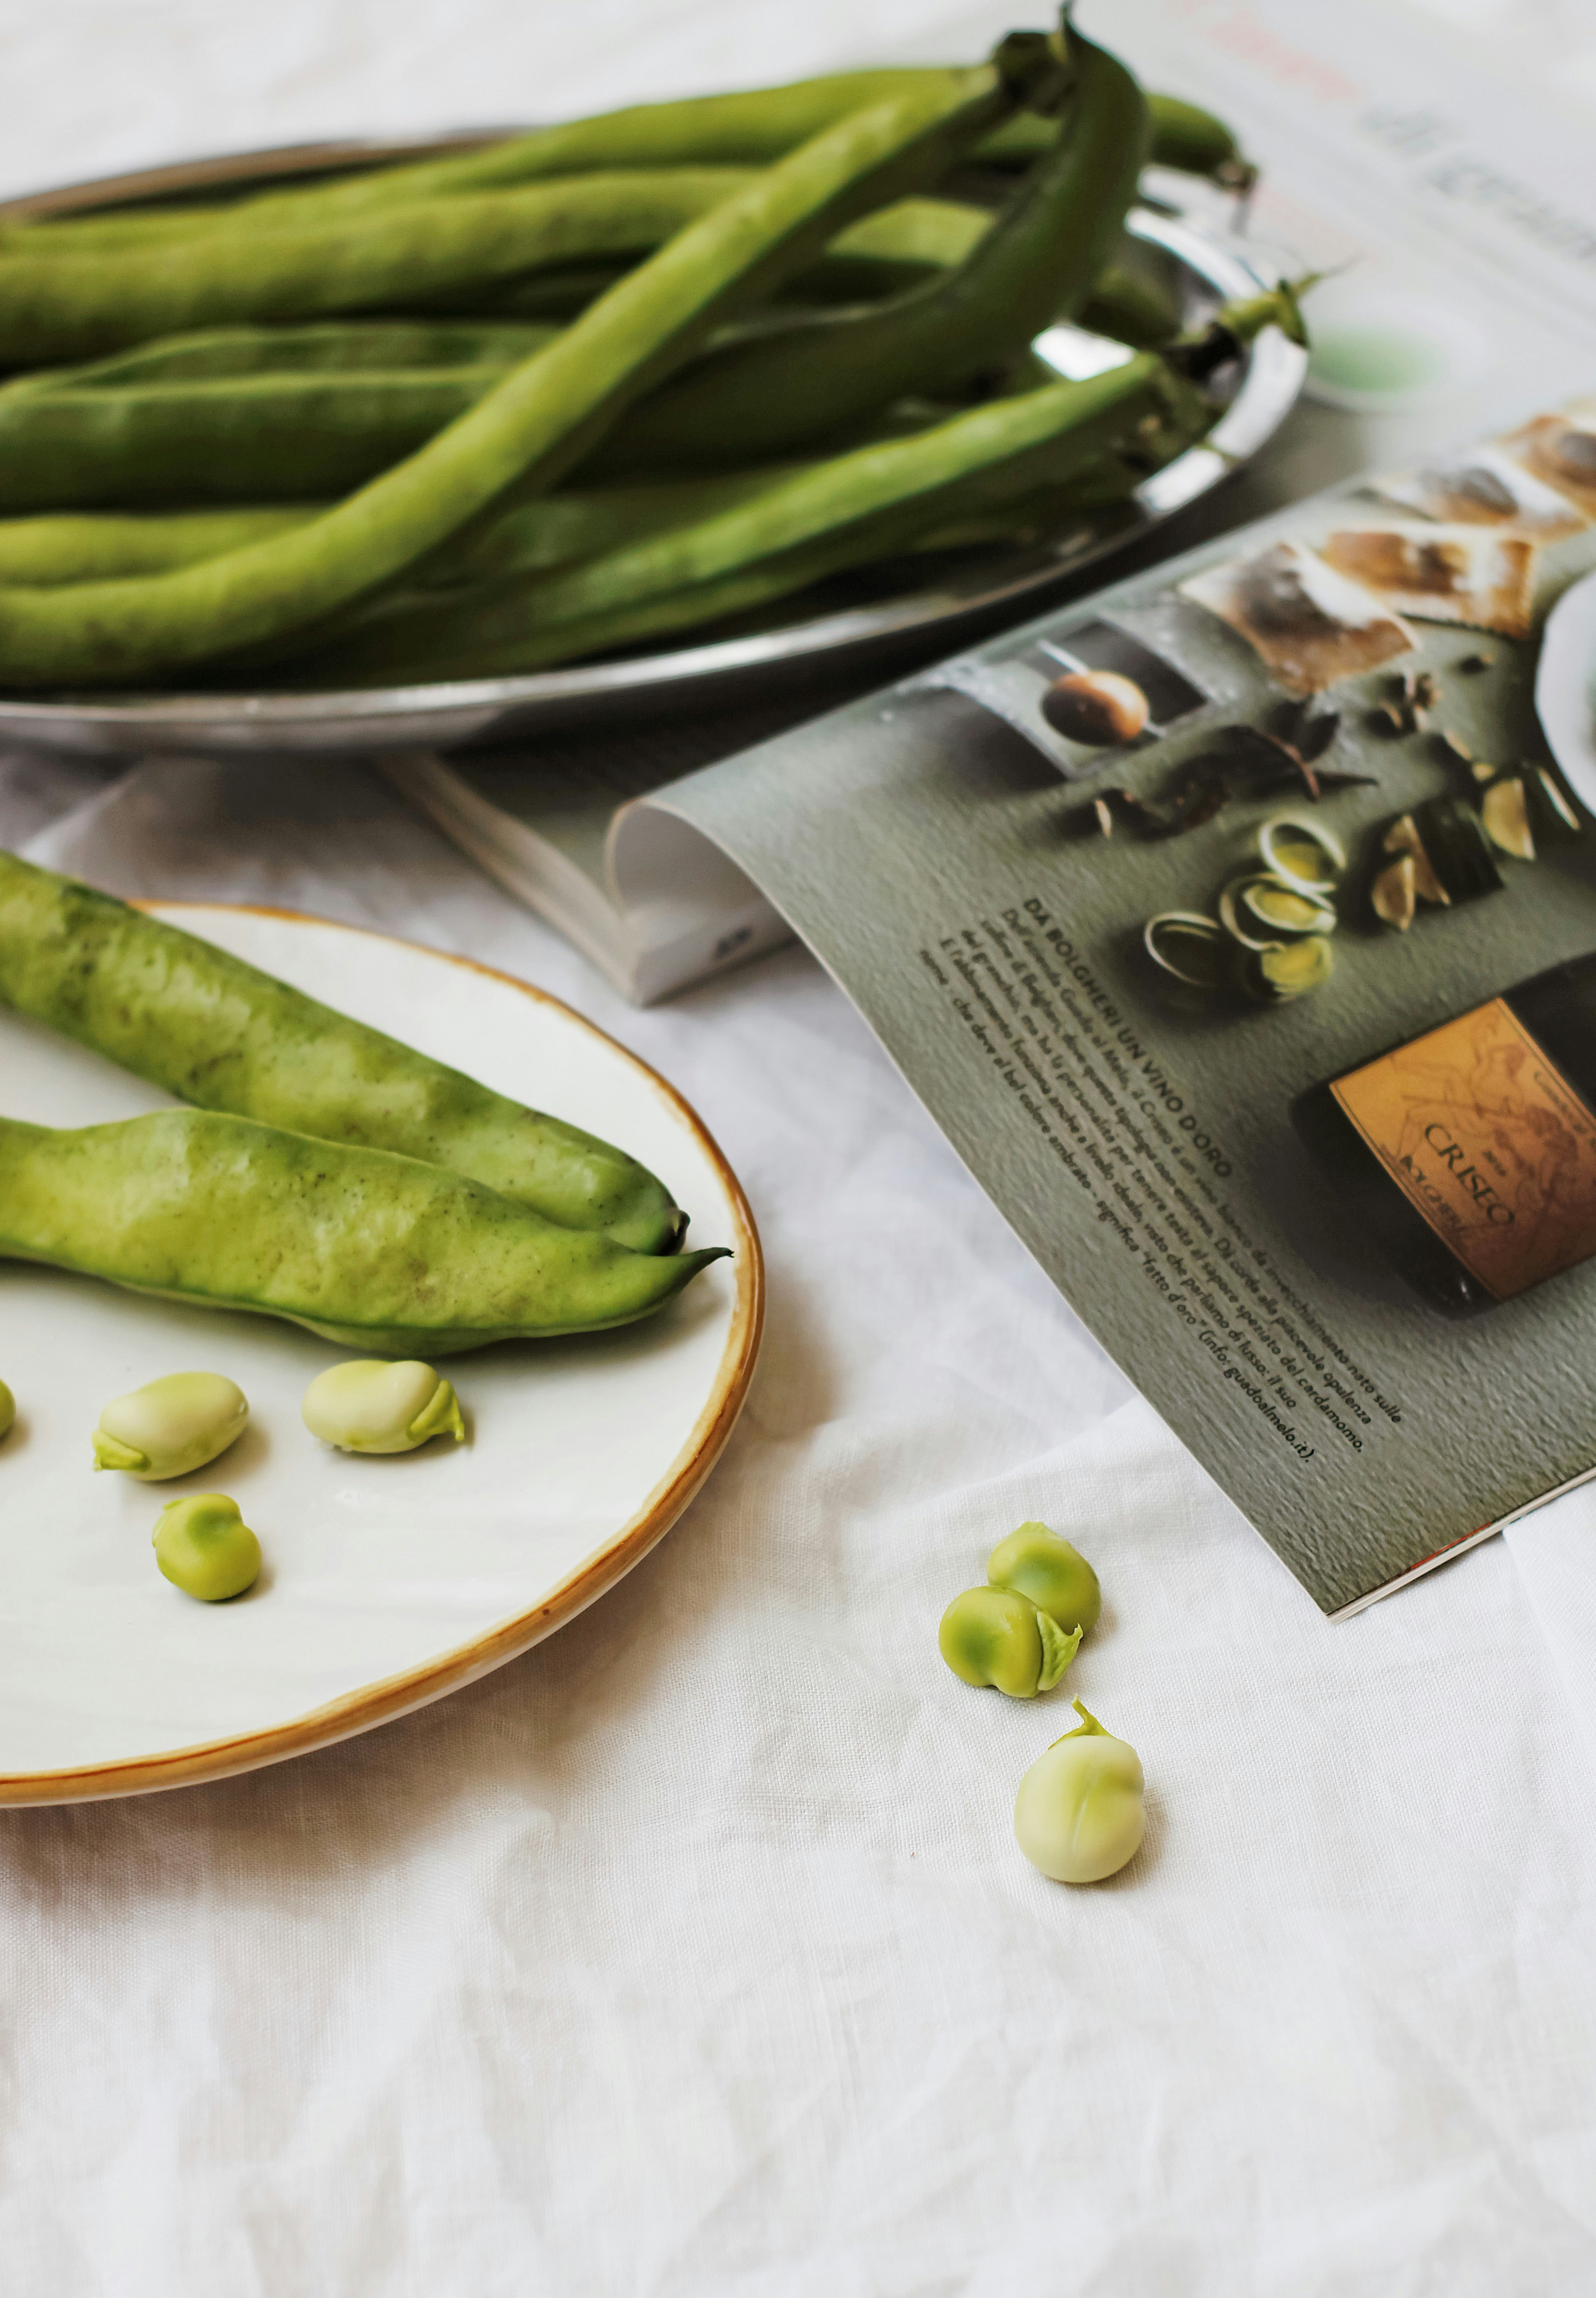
1211,920
1448,199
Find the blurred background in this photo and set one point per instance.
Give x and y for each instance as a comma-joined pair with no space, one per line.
101,85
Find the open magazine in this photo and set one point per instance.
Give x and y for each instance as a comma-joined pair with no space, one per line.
1237,923
1238,927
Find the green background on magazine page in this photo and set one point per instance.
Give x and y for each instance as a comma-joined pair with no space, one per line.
932,859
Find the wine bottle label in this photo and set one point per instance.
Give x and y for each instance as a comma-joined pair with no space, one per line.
1484,1136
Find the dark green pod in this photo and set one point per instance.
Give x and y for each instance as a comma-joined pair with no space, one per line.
800,525
219,1033
65,305
737,402
325,347
1183,136
366,1249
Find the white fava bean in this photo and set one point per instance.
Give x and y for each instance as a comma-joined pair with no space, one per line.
1079,1813
8,1411
171,1426
371,1406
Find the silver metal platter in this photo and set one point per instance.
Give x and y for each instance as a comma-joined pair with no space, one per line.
908,610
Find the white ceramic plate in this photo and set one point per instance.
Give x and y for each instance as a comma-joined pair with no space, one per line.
388,1581
1565,689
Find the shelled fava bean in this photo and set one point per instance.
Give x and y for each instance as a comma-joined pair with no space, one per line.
372,1406
172,1427
220,365
1079,1815
1020,1632
204,1547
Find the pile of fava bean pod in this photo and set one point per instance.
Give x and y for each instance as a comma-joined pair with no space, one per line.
564,393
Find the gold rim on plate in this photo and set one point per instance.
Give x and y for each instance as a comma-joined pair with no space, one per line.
398,1695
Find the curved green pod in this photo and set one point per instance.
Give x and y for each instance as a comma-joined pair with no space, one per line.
914,237
861,505
523,537
1183,136
366,1249
1130,307
738,403
323,347
97,545
225,1036
69,306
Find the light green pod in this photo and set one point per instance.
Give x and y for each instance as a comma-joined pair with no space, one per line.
1079,1813
365,1249
204,1547
172,1427
8,1411
1057,1578
369,1406
989,1635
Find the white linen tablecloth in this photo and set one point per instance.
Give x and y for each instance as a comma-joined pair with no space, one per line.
690,1955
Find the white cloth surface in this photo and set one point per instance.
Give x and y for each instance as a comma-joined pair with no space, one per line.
691,1953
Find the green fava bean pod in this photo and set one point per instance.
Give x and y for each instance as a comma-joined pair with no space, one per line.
172,1427
853,505
211,1029
1079,1815
370,1406
991,1636
1036,1563
1034,264
323,347
204,1547
92,547
8,1411
361,1247
241,440
744,127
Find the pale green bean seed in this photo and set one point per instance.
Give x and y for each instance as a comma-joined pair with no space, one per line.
372,1406
8,1411
992,1636
1055,1575
1079,1813
171,1426
204,1547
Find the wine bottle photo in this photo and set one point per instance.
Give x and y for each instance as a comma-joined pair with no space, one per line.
1469,1153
